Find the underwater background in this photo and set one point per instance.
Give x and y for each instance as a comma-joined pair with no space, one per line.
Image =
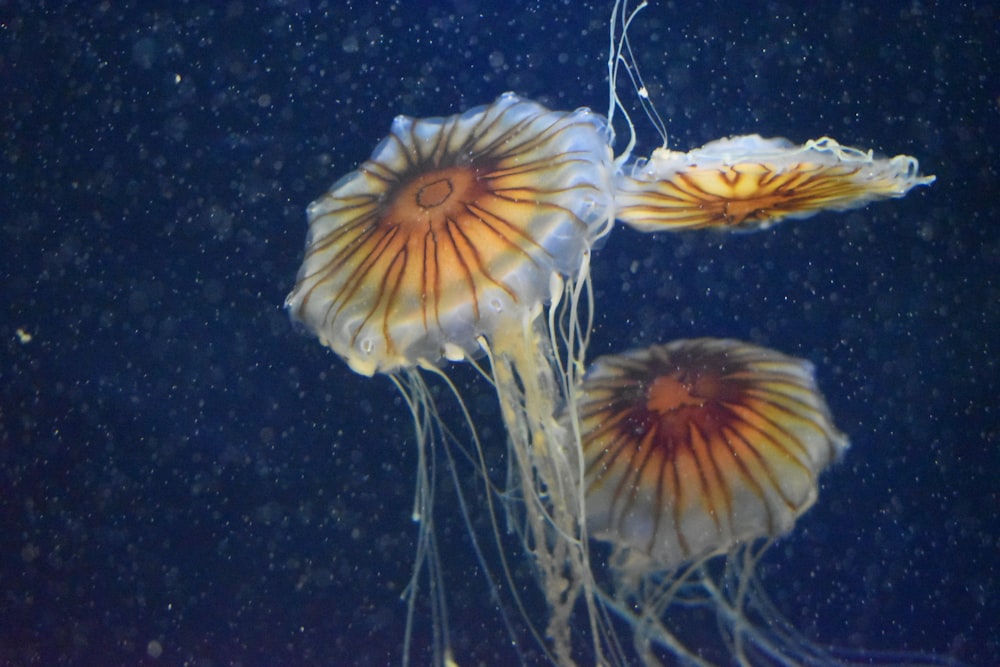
186,479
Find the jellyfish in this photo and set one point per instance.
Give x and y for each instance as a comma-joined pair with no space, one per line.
695,449
453,229
749,182
469,239
469,236
693,446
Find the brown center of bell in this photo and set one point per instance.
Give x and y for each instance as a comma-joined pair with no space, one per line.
668,393
756,209
434,193
434,197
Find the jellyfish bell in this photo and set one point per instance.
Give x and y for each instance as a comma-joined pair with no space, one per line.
450,229
692,447
749,182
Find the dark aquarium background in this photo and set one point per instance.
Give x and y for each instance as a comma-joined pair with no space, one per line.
186,480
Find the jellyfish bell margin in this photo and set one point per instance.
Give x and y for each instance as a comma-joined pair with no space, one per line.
471,235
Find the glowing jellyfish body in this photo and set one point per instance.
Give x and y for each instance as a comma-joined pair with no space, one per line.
691,447
694,449
749,182
452,228
471,235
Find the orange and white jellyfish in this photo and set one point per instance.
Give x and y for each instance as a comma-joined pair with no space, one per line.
749,182
470,237
694,449
465,236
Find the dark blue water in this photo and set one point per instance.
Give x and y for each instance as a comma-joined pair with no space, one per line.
186,480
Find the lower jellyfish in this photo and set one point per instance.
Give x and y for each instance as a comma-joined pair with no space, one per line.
692,447
695,449
469,238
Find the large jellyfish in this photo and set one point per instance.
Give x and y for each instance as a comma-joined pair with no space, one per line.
448,243
469,239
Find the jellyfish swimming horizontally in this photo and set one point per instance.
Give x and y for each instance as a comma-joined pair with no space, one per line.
469,238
